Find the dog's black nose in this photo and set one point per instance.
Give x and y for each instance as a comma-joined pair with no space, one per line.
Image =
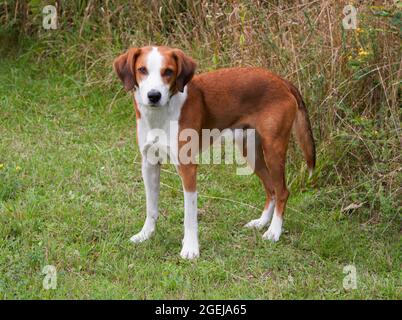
154,96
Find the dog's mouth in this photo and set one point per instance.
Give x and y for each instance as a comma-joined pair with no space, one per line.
154,104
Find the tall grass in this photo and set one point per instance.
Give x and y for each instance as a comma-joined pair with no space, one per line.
350,79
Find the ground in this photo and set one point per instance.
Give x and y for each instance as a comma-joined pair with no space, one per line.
71,195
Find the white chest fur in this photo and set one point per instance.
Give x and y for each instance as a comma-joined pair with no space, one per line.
158,128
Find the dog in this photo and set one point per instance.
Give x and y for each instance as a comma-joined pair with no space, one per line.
166,89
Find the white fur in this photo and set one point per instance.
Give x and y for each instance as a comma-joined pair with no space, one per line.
275,229
151,176
153,80
160,124
264,219
190,248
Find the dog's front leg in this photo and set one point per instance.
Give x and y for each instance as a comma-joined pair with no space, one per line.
151,177
190,248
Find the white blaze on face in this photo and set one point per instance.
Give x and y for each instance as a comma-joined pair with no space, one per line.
153,80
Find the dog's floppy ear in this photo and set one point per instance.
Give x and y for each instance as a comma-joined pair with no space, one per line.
185,68
124,67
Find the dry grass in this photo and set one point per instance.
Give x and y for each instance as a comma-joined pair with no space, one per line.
350,79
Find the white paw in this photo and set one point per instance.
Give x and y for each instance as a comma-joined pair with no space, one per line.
273,233
256,224
141,236
190,251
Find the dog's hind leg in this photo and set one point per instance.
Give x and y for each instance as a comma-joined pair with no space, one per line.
274,128
260,169
276,166
275,157
151,177
265,217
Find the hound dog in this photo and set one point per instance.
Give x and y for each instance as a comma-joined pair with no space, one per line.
166,90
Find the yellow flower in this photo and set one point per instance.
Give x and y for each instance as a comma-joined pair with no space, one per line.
359,30
17,168
363,53
1,166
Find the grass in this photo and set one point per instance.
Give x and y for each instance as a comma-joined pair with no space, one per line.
71,196
71,193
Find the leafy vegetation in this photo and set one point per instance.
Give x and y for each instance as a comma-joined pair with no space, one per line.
71,193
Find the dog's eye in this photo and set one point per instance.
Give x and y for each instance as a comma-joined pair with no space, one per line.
142,70
168,72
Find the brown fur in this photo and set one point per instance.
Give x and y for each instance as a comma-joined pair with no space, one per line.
234,98
251,98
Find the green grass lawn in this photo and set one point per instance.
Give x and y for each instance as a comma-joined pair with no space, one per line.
71,195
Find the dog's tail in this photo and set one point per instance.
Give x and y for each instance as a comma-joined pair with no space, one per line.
302,130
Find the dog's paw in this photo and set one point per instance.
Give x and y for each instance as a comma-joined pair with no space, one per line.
190,251
273,233
256,224
141,236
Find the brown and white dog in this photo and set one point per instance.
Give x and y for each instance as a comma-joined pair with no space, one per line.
166,90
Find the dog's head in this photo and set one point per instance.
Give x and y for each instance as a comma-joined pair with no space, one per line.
156,73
